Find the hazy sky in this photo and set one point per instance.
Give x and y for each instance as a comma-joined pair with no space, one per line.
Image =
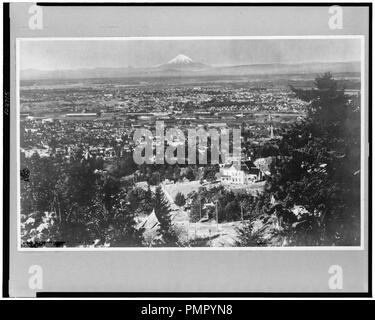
68,54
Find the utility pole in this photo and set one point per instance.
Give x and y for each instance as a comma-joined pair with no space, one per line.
200,208
217,218
188,229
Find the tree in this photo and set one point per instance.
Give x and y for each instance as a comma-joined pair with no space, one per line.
124,165
180,199
111,187
210,172
140,200
71,203
190,174
39,224
166,232
42,178
78,197
195,207
247,237
317,170
122,229
228,208
246,203
154,179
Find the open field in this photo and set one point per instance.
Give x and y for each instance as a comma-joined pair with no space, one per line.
184,187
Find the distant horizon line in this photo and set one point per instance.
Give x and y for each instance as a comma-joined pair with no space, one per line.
213,66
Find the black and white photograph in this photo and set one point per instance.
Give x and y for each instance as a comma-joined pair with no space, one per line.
185,142
193,150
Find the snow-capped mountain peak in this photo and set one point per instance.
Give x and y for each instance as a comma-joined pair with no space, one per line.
181,59
182,63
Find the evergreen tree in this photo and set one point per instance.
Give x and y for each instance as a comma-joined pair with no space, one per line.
123,230
195,207
318,170
248,238
180,199
166,232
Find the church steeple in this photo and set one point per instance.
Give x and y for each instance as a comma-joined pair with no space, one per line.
270,126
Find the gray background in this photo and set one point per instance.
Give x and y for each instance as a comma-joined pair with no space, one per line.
182,271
